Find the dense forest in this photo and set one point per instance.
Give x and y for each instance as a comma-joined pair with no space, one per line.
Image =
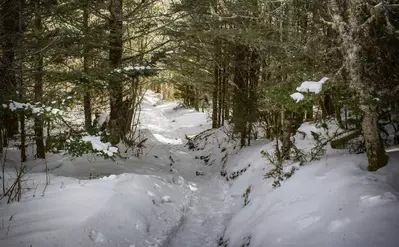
242,61
216,123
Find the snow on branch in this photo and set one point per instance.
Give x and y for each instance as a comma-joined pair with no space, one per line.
98,145
131,68
308,87
297,97
35,108
312,86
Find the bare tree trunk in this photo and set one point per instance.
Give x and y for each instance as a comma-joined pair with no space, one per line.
286,135
115,86
223,114
10,32
240,99
86,97
216,86
38,88
21,85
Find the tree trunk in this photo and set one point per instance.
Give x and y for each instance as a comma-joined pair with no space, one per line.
116,124
86,97
216,86
286,135
38,87
240,100
356,34
10,11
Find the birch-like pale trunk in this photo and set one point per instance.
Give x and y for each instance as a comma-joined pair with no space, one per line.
355,34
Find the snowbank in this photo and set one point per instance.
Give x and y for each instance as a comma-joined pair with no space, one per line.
122,210
331,202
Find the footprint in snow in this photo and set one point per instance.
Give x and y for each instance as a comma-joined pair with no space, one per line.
96,236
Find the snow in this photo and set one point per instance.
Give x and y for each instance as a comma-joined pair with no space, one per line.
312,86
100,146
331,202
14,105
132,68
297,97
157,199
165,140
102,119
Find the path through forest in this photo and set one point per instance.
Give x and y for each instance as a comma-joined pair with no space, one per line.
207,214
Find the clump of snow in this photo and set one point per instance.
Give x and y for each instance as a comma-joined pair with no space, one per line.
166,199
132,68
110,177
100,146
36,109
312,86
297,97
103,117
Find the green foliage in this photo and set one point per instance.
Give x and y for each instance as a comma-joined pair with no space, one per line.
246,195
277,173
76,147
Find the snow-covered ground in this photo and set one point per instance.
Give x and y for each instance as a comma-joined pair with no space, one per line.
331,202
158,200
153,200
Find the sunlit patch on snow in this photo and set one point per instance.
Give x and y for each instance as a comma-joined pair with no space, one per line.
166,199
166,140
110,177
192,186
338,224
155,127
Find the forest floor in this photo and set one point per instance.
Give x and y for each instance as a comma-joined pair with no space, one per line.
171,196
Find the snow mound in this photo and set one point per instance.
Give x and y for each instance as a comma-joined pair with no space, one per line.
122,210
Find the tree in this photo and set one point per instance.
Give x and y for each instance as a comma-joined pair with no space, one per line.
360,25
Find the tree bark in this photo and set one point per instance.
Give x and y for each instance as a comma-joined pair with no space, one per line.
86,97
116,124
38,87
240,101
216,86
356,35
10,11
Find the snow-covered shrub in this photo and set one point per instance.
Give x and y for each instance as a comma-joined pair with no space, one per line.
77,146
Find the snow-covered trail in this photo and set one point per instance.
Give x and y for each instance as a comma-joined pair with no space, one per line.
207,213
